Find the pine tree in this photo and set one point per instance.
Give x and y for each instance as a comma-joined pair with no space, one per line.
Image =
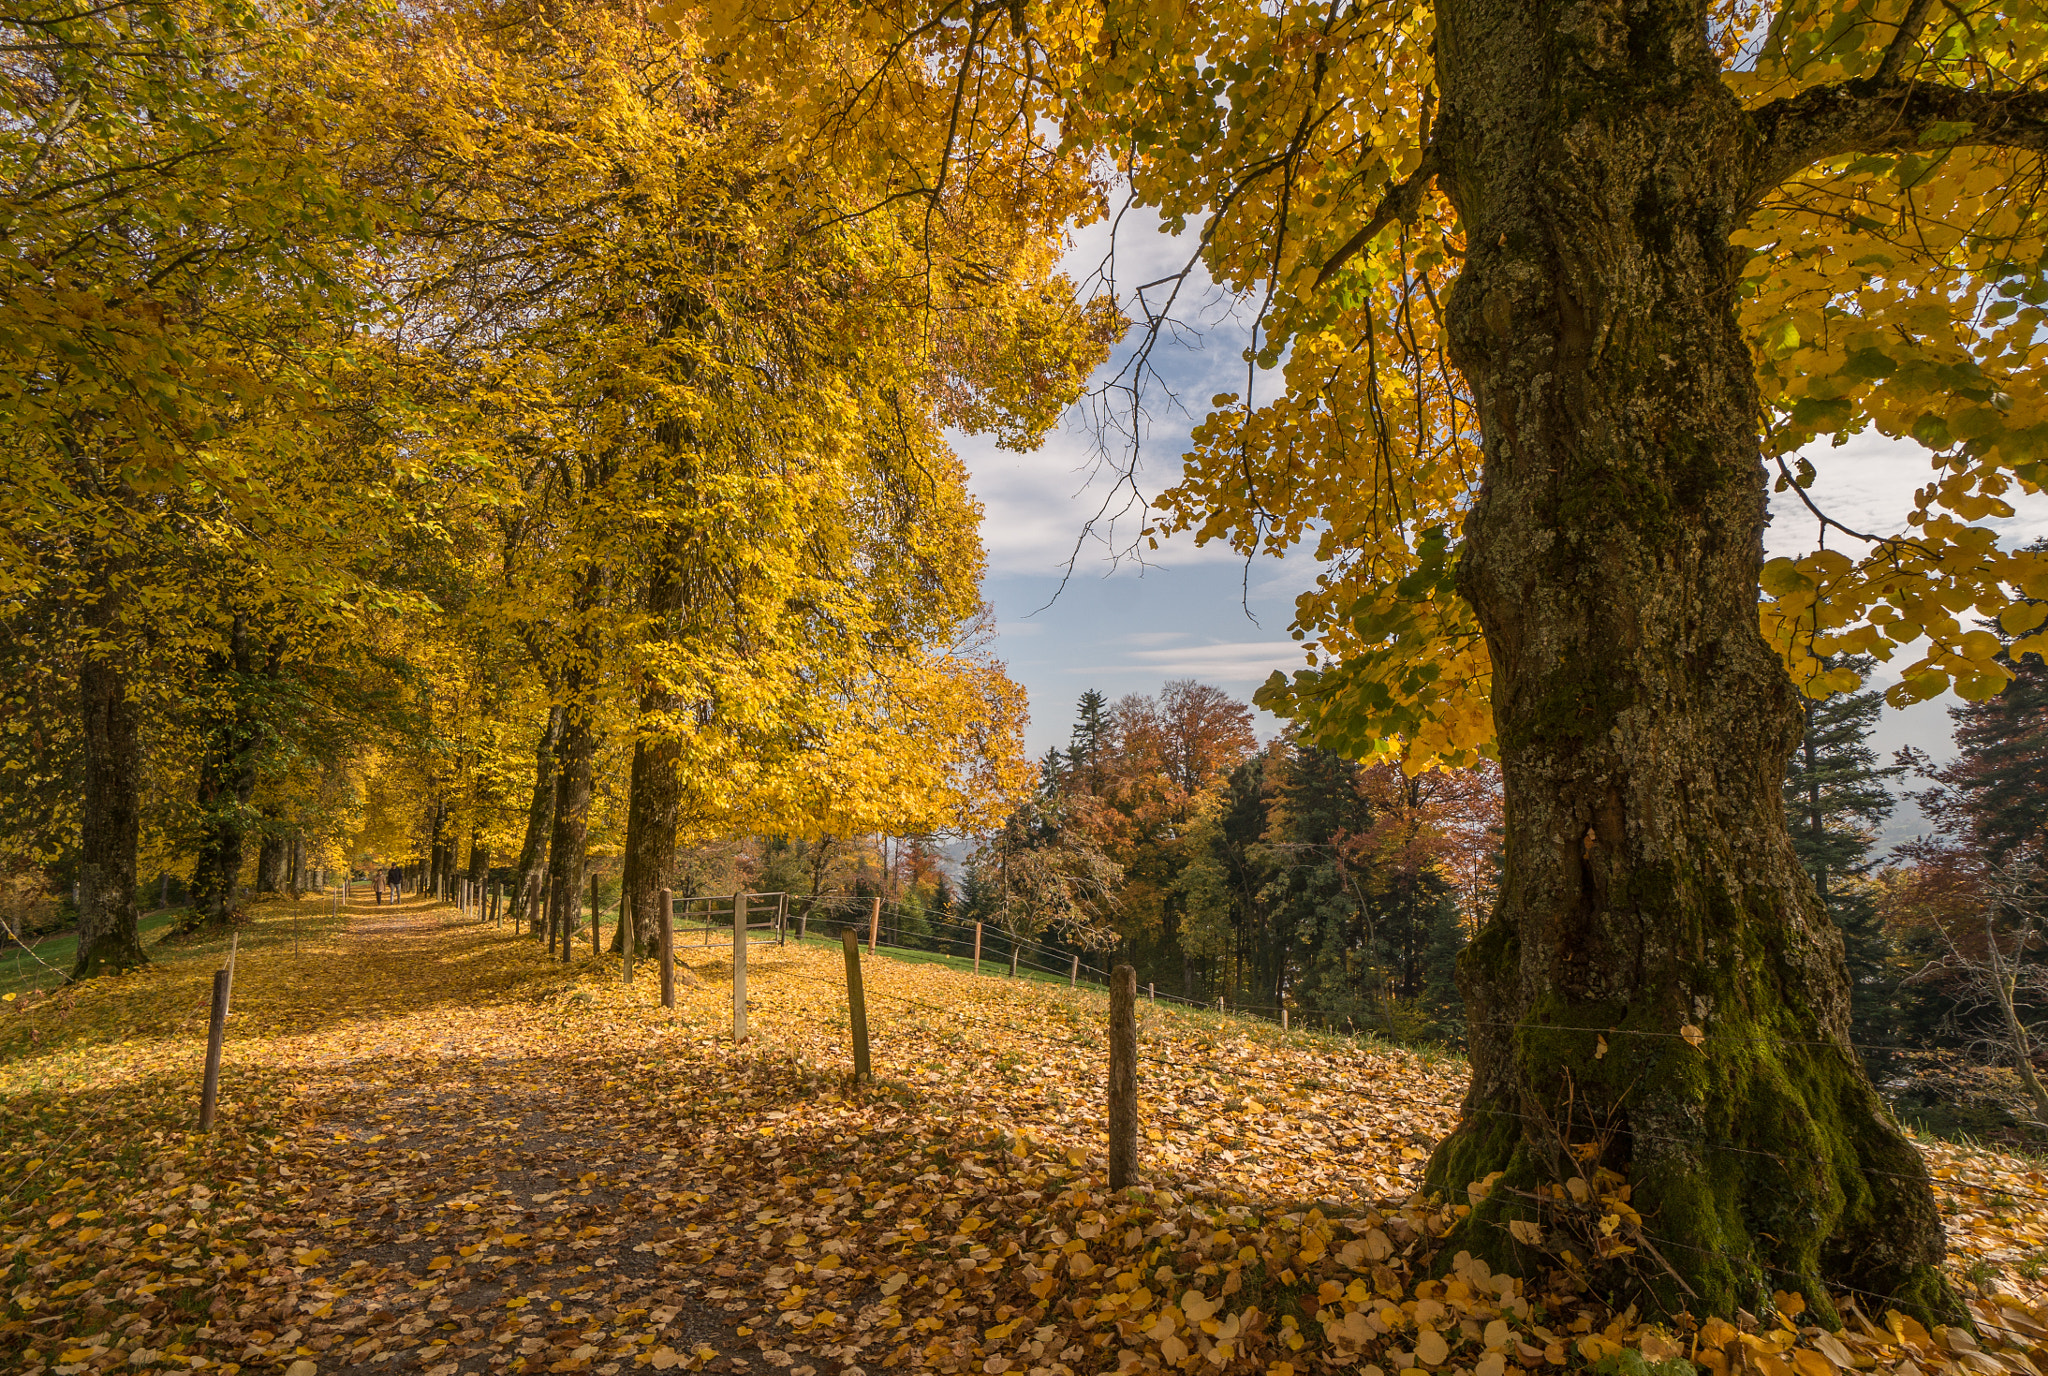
1440,1000
1090,734
1052,771
1996,799
1835,798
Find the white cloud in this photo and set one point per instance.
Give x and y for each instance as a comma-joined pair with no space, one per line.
1219,661
1867,484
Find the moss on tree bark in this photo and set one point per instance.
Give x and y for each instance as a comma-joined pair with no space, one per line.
1598,163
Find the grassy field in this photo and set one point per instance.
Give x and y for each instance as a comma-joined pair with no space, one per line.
44,962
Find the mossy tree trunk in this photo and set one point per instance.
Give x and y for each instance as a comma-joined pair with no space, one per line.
1600,167
655,794
572,821
227,776
110,808
529,874
273,857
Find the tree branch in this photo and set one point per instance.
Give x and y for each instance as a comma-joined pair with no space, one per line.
1890,116
1401,202
1902,42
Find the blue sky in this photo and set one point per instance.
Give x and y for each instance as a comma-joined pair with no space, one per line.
1124,627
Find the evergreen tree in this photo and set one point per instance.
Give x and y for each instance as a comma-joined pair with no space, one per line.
1223,885
1052,771
1441,1003
1090,734
1996,799
1835,799
913,924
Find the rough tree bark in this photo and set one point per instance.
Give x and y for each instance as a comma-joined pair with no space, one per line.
110,811
656,789
227,780
273,857
1599,165
529,877
439,860
572,815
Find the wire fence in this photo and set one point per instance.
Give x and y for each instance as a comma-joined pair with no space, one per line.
714,914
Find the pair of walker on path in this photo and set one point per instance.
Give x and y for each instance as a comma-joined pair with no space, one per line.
395,878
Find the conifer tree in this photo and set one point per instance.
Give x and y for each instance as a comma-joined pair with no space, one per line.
1091,729
1835,798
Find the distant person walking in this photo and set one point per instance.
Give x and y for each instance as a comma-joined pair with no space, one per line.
397,878
377,883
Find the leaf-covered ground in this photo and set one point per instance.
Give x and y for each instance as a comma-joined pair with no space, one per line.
439,1150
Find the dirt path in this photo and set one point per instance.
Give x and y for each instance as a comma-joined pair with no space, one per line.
441,1151
478,1208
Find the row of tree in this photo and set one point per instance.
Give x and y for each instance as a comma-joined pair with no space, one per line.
478,431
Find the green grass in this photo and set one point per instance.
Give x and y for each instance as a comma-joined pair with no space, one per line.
990,965
50,965
20,971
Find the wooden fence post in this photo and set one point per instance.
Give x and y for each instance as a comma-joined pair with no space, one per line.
593,917
857,1008
1123,1077
739,968
977,948
216,1029
874,921
803,924
668,950
1151,993
1074,975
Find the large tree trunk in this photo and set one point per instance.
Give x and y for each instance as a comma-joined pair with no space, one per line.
227,780
273,857
110,811
439,865
530,877
572,816
657,784
1651,896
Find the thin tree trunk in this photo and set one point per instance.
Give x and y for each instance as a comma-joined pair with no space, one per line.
530,874
1658,986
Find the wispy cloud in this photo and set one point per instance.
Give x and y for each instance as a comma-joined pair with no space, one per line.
1223,662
